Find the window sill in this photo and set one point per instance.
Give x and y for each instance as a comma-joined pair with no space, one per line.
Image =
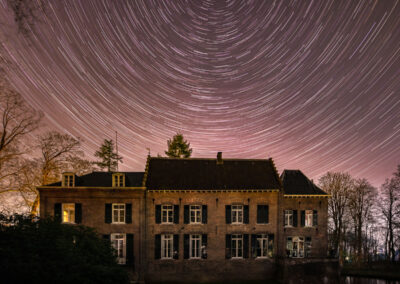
262,223
118,223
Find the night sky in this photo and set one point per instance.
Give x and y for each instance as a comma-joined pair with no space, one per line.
313,84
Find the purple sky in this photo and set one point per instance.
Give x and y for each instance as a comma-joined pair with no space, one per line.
313,84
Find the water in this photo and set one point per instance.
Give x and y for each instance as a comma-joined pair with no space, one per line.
361,280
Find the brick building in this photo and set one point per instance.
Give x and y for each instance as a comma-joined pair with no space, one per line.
199,219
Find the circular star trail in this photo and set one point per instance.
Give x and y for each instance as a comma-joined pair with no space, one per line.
313,84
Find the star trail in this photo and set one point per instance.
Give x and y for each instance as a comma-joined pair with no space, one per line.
313,84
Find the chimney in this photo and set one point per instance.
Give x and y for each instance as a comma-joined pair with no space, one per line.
219,158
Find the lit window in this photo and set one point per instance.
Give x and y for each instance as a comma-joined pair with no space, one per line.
237,246
237,214
118,242
167,246
288,218
118,180
309,218
195,246
295,247
68,180
118,213
195,214
167,214
68,213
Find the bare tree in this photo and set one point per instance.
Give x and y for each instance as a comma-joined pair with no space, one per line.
59,153
361,201
390,206
338,185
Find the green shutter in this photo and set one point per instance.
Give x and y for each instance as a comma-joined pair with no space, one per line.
186,214
176,247
129,250
108,214
303,218
57,212
228,246
204,246
204,214
78,213
294,218
157,246
158,214
246,214
245,245
228,214
176,214
186,246
128,213
315,218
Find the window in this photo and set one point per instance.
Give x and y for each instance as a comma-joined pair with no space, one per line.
237,214
68,212
195,214
167,246
309,218
118,242
308,247
295,247
68,179
118,213
118,180
237,246
262,245
195,246
167,214
288,218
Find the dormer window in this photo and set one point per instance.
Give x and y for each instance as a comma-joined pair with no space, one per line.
118,180
68,180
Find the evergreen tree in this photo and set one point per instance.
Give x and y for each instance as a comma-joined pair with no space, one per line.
178,147
109,158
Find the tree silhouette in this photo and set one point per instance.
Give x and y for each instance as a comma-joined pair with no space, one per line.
178,147
109,158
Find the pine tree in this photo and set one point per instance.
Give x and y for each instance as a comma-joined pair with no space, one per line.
178,147
109,158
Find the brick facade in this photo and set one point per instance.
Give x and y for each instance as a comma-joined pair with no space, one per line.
144,196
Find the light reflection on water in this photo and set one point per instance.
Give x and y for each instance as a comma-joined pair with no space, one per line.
360,280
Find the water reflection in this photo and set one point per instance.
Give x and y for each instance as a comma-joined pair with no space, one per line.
360,280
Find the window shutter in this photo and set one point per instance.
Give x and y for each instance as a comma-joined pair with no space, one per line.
294,218
78,213
129,249
128,213
158,214
246,246
176,247
157,247
186,241
303,218
204,214
254,245
271,245
228,214
228,245
107,238
204,246
57,212
259,214
186,214
108,214
284,219
176,214
266,214
315,218
246,214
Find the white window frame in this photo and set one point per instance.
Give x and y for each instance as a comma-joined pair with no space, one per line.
237,214
289,218
69,211
167,246
263,245
167,213
297,247
118,242
195,212
195,248
309,216
120,212
237,246
68,180
118,180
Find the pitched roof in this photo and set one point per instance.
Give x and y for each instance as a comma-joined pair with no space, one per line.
295,182
104,179
195,173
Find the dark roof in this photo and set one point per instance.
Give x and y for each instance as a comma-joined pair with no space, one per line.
104,179
194,173
295,182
